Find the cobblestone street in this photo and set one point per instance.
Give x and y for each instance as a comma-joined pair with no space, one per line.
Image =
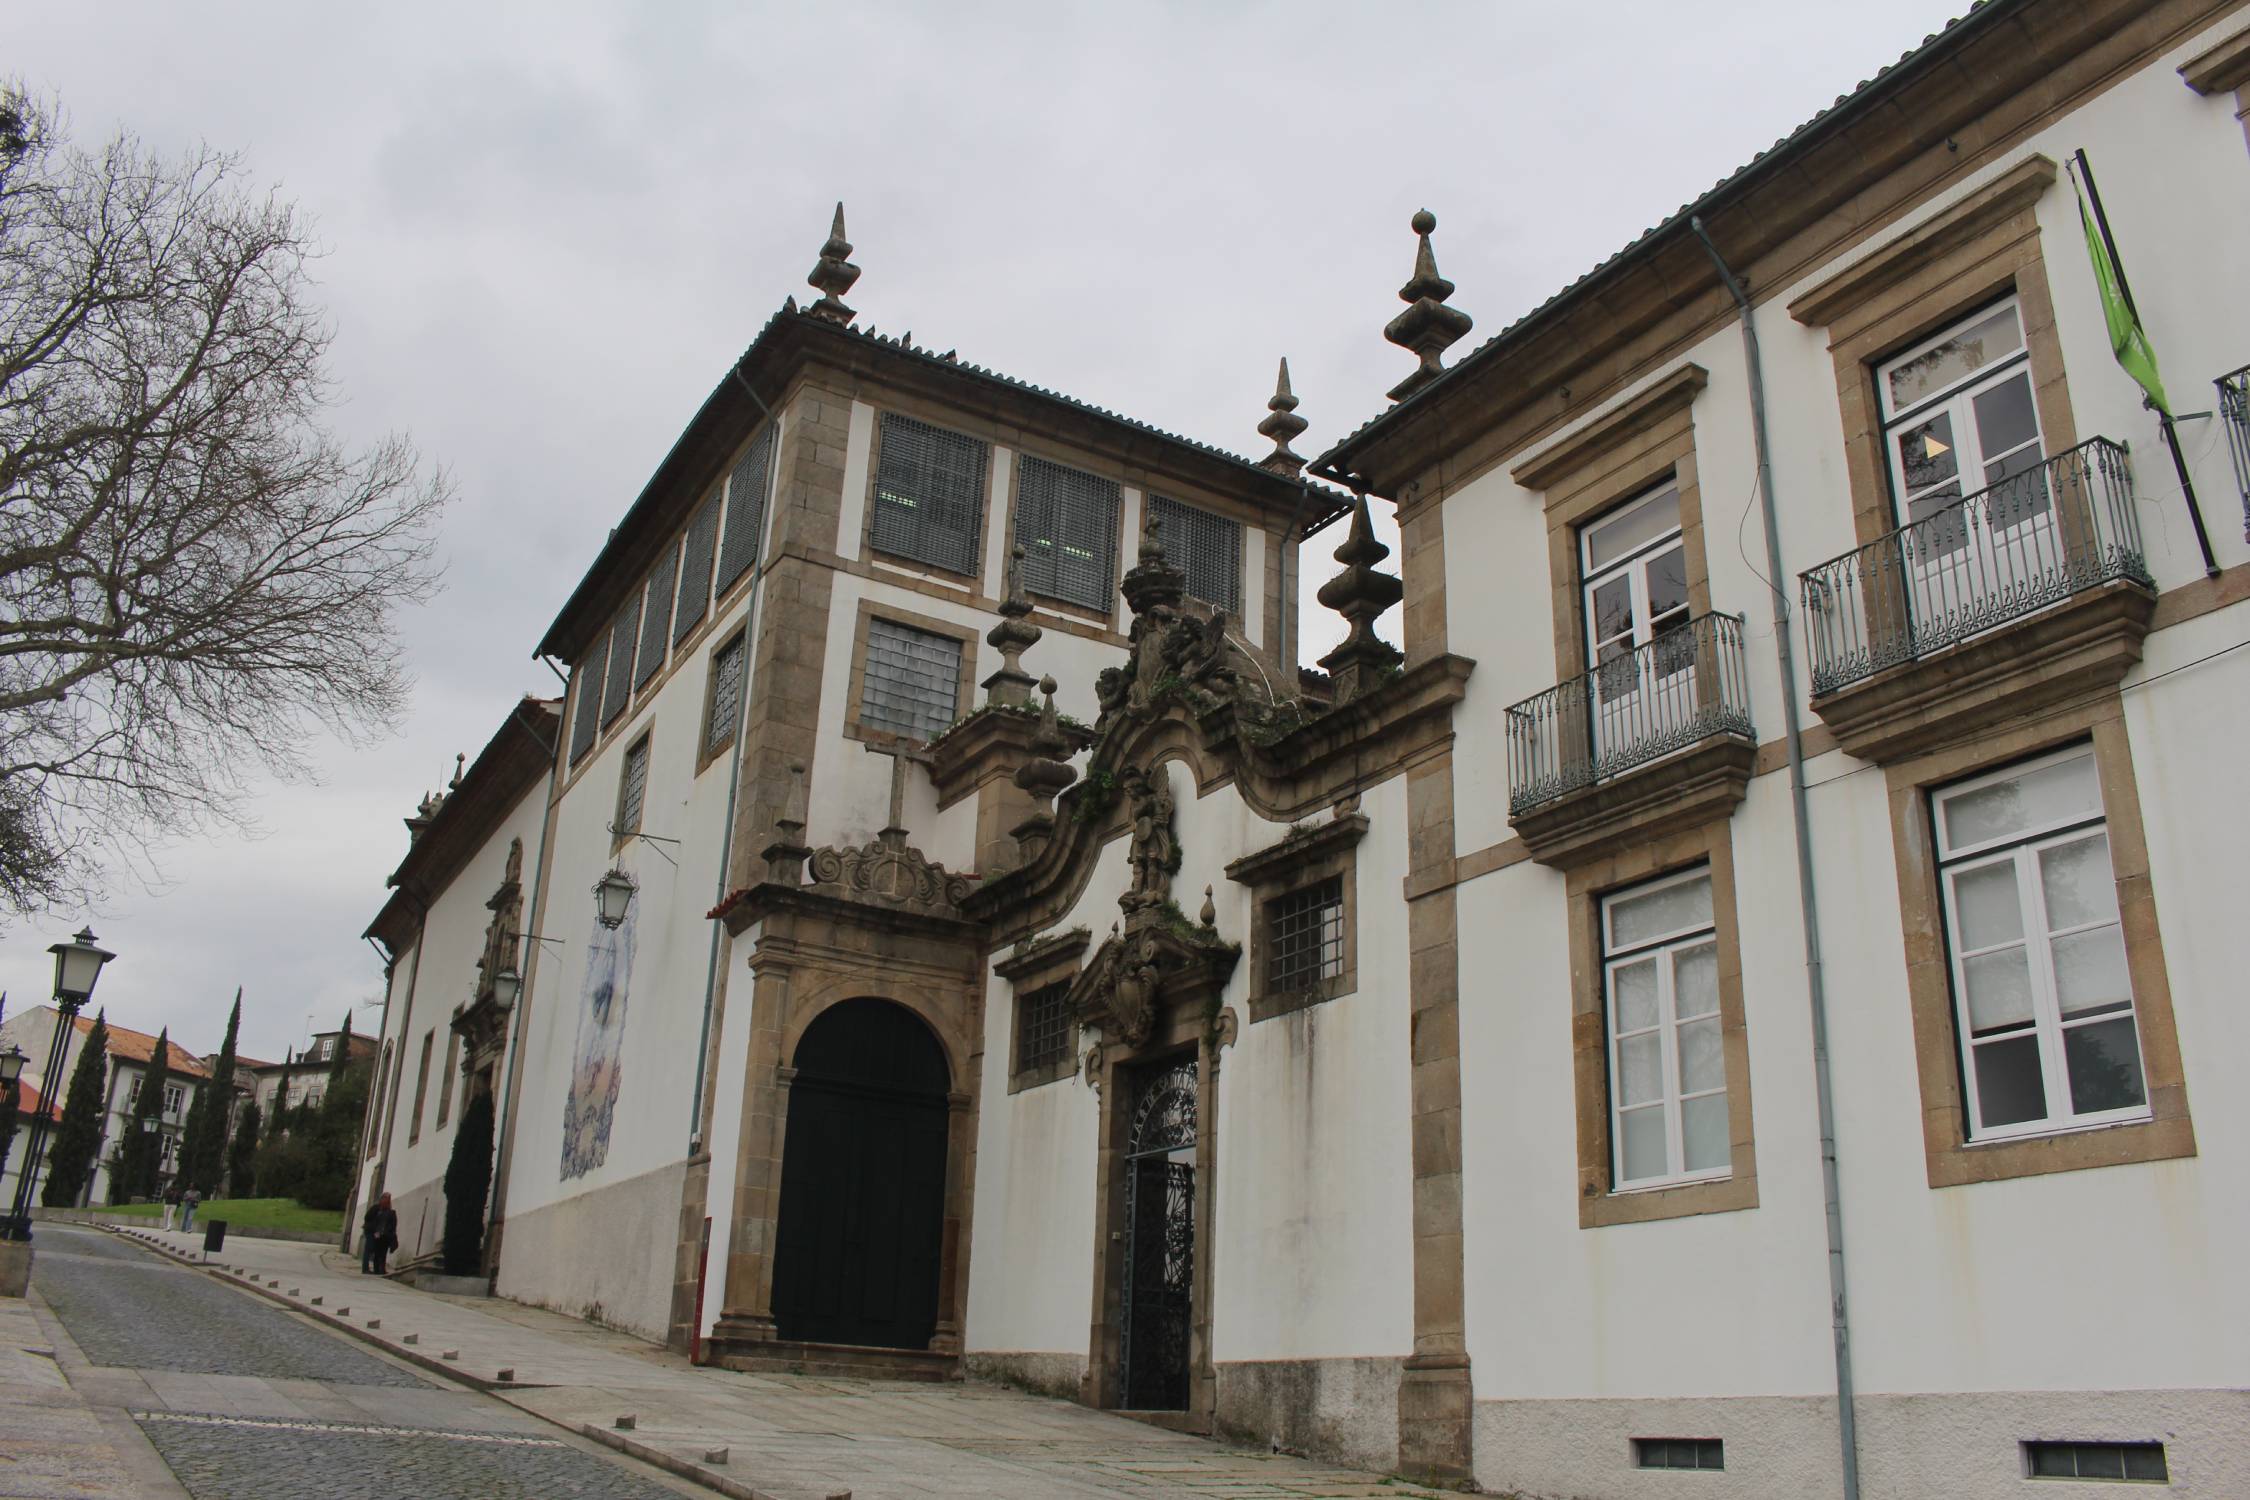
241,1400
391,1391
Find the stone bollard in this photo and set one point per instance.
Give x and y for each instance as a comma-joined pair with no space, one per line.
374,1322
627,1422
506,1377
715,1455
412,1338
450,1354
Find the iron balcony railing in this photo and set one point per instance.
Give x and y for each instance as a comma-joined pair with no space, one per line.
2234,416
1681,688
2056,529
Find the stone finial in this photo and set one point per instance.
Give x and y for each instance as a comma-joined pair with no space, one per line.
1360,594
1010,687
1427,326
833,274
459,761
1152,582
1209,916
1282,425
1043,777
785,857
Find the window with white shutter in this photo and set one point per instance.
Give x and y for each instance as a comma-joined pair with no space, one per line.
696,556
912,682
588,723
617,691
720,721
1206,547
632,788
746,510
653,617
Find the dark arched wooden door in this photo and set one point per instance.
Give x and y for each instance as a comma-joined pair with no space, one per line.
862,1181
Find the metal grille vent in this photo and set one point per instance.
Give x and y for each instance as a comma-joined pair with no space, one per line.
1043,1027
913,680
1307,931
1207,548
589,720
726,695
929,494
633,788
746,510
695,569
653,617
1066,523
617,691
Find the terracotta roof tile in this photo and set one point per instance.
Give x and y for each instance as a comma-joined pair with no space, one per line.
139,1047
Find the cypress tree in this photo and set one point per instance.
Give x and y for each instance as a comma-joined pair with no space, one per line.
10,1097
468,1178
242,1156
140,1156
79,1135
203,1151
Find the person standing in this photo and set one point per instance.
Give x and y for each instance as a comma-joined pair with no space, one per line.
378,1237
171,1207
188,1201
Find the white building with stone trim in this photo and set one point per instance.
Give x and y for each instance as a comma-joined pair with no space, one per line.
1750,987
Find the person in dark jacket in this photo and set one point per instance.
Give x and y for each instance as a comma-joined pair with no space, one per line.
378,1237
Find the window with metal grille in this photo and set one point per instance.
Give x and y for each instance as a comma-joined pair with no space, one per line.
1206,547
1680,1453
618,690
726,695
591,671
653,617
1042,1026
1066,523
2142,1461
695,568
913,680
746,510
929,494
632,788
1307,932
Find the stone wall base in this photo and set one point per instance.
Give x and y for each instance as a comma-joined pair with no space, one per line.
605,1255
1962,1445
1344,1410
1060,1375
15,1268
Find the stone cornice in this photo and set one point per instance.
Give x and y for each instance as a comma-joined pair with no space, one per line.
750,905
989,744
2222,68
2010,193
1299,848
1673,393
1030,958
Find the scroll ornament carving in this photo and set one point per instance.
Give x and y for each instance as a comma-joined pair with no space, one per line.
888,871
1175,652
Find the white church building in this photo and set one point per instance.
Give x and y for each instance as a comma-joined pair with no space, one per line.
1743,985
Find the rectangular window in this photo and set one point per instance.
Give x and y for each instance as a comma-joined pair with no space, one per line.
617,689
588,681
632,789
171,1099
2121,1461
696,555
1206,547
1667,1061
1042,1027
2037,953
654,616
913,681
1305,931
1066,523
421,1089
725,712
445,1079
929,495
746,510
1679,1453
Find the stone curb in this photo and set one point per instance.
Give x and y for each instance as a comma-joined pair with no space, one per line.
685,1468
449,1369
95,1218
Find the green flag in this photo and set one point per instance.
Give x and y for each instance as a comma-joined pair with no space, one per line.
2127,340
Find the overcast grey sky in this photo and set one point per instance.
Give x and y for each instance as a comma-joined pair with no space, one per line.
550,228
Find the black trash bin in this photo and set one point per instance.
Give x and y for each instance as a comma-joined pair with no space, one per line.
214,1235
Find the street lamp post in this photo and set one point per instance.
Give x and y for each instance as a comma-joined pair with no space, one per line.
78,966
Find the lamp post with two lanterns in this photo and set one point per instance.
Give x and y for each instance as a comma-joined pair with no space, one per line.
78,966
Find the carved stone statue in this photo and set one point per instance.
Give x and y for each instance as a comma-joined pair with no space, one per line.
1156,847
506,907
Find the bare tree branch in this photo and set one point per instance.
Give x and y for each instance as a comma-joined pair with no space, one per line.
193,571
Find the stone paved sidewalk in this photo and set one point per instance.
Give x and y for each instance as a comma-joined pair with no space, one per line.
787,1437
52,1442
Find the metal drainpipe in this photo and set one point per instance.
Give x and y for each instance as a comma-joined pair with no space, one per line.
734,783
1288,651
1846,1421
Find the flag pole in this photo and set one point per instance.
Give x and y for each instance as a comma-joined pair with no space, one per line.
2164,418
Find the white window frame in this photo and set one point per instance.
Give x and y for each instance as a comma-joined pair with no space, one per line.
1664,947
1958,401
1632,566
2023,848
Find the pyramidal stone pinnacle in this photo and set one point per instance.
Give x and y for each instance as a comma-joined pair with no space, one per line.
1282,424
833,274
1427,327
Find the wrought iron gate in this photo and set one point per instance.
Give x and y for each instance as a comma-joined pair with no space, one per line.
1160,1238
